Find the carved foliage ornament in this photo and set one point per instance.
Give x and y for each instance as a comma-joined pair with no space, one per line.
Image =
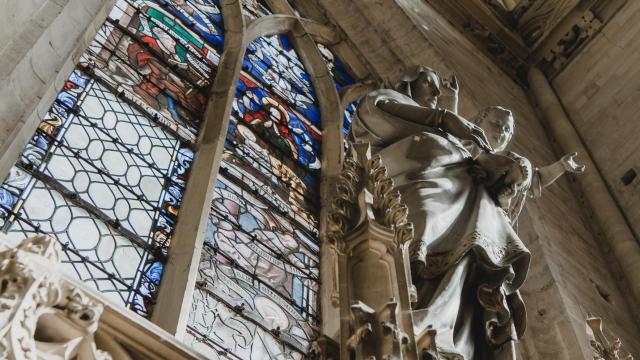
42,317
364,179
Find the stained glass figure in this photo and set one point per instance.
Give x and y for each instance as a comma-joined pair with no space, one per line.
177,45
203,16
273,62
128,67
269,329
268,116
264,156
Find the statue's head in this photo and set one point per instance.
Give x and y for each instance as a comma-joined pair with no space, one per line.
422,84
498,125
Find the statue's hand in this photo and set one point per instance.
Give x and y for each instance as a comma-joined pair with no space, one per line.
451,85
465,130
569,163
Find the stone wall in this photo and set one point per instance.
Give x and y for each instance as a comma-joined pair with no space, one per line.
40,42
600,90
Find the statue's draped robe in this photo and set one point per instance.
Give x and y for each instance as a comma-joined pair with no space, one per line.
467,261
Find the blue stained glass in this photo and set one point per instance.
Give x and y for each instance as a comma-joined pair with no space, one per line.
272,61
274,120
107,182
349,113
342,78
337,69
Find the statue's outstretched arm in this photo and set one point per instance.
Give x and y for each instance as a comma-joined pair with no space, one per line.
547,175
446,120
414,113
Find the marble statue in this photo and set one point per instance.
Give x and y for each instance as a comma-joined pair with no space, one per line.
464,192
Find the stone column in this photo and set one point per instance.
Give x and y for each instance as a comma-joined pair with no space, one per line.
616,231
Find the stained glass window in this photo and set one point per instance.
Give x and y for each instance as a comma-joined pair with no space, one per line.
342,78
107,167
257,294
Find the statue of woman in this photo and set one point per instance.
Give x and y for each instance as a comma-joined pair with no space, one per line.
464,192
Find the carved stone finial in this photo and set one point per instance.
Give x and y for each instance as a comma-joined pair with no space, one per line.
361,171
601,346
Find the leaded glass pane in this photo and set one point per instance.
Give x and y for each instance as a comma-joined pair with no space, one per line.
202,16
283,171
342,78
103,258
178,46
107,182
128,67
349,113
258,282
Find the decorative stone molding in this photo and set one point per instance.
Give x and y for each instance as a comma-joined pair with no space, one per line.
43,315
508,60
604,349
324,348
369,232
557,57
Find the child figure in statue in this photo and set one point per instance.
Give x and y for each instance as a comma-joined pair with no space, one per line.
464,192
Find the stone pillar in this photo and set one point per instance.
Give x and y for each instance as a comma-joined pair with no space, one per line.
616,231
370,234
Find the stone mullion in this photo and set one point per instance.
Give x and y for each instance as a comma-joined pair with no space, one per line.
176,290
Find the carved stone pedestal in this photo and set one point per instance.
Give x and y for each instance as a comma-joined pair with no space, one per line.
370,235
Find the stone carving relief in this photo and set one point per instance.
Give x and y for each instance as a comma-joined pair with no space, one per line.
604,349
540,17
43,315
580,33
511,63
